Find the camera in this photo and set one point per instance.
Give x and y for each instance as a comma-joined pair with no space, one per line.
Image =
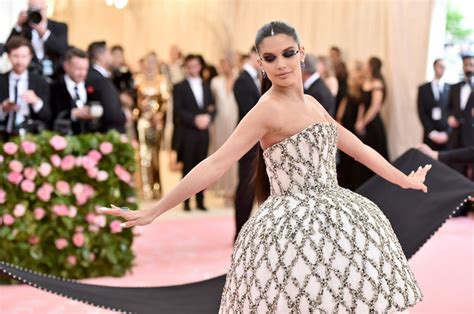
34,16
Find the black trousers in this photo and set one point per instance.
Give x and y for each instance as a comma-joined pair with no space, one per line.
245,194
195,144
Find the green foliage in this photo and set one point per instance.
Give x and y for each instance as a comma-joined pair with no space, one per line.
454,24
32,242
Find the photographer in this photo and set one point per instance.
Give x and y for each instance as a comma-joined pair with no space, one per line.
48,38
24,96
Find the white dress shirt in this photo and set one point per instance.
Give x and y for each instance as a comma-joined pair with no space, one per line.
36,41
23,107
81,89
310,80
101,70
253,73
437,86
466,90
196,86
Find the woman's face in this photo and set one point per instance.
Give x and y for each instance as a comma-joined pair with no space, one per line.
281,58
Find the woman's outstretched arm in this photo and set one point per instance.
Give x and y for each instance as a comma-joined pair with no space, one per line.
354,147
249,131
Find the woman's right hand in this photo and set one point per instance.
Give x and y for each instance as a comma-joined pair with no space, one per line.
133,218
415,180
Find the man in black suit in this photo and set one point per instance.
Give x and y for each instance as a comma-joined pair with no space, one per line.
70,96
433,99
315,86
193,111
113,117
247,94
24,96
48,38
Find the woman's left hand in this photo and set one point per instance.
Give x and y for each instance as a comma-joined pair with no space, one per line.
134,218
416,179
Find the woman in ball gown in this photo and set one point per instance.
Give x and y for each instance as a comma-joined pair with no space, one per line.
312,246
369,126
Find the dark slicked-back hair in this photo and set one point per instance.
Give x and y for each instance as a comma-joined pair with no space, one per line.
95,49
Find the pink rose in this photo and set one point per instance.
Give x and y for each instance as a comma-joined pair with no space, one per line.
72,260
15,166
28,147
44,192
82,192
33,240
68,163
131,199
92,257
79,229
88,162
106,148
3,196
95,155
45,169
63,187
78,239
102,176
19,210
14,178
39,213
122,174
90,218
8,219
56,160
61,210
92,172
10,148
100,221
93,228
58,142
1,159
30,173
61,243
115,226
78,161
72,211
28,186
123,138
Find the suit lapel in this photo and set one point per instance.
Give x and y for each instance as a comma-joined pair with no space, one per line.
190,90
4,92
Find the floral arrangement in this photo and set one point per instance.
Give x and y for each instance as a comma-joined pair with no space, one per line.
50,189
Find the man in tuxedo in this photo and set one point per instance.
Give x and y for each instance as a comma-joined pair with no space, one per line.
193,111
48,38
315,86
24,96
433,99
108,97
70,95
247,94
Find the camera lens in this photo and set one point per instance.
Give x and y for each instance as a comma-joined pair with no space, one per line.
34,16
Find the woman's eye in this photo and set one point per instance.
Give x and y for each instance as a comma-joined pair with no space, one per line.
269,58
289,53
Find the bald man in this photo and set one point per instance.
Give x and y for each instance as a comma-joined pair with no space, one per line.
48,38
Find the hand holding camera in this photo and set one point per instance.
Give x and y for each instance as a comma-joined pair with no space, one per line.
9,106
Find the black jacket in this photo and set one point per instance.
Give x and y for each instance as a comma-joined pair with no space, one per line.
107,95
37,84
246,93
323,95
460,155
462,136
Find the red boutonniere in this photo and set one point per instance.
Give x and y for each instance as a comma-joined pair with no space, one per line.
90,89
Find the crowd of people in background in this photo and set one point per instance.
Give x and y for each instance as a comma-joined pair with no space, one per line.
53,85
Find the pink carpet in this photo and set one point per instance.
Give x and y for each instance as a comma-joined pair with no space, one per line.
182,251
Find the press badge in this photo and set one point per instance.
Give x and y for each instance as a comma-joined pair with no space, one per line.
436,113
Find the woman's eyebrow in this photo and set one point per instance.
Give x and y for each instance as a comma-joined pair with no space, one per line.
288,48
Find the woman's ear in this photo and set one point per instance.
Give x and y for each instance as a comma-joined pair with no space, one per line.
302,53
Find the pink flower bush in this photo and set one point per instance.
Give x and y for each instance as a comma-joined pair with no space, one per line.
94,155
19,210
15,166
28,147
68,163
45,169
72,211
58,142
39,213
78,239
61,243
88,163
61,210
115,226
15,178
3,196
10,148
72,260
1,159
106,148
122,174
30,173
100,221
28,186
102,176
55,160
92,172
90,218
33,240
44,192
8,219
82,192
63,187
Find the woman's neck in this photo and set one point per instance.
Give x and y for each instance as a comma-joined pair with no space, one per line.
293,92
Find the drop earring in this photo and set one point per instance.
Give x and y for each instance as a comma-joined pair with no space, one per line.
302,64
264,75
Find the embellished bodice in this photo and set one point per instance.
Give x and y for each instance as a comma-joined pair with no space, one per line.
305,162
